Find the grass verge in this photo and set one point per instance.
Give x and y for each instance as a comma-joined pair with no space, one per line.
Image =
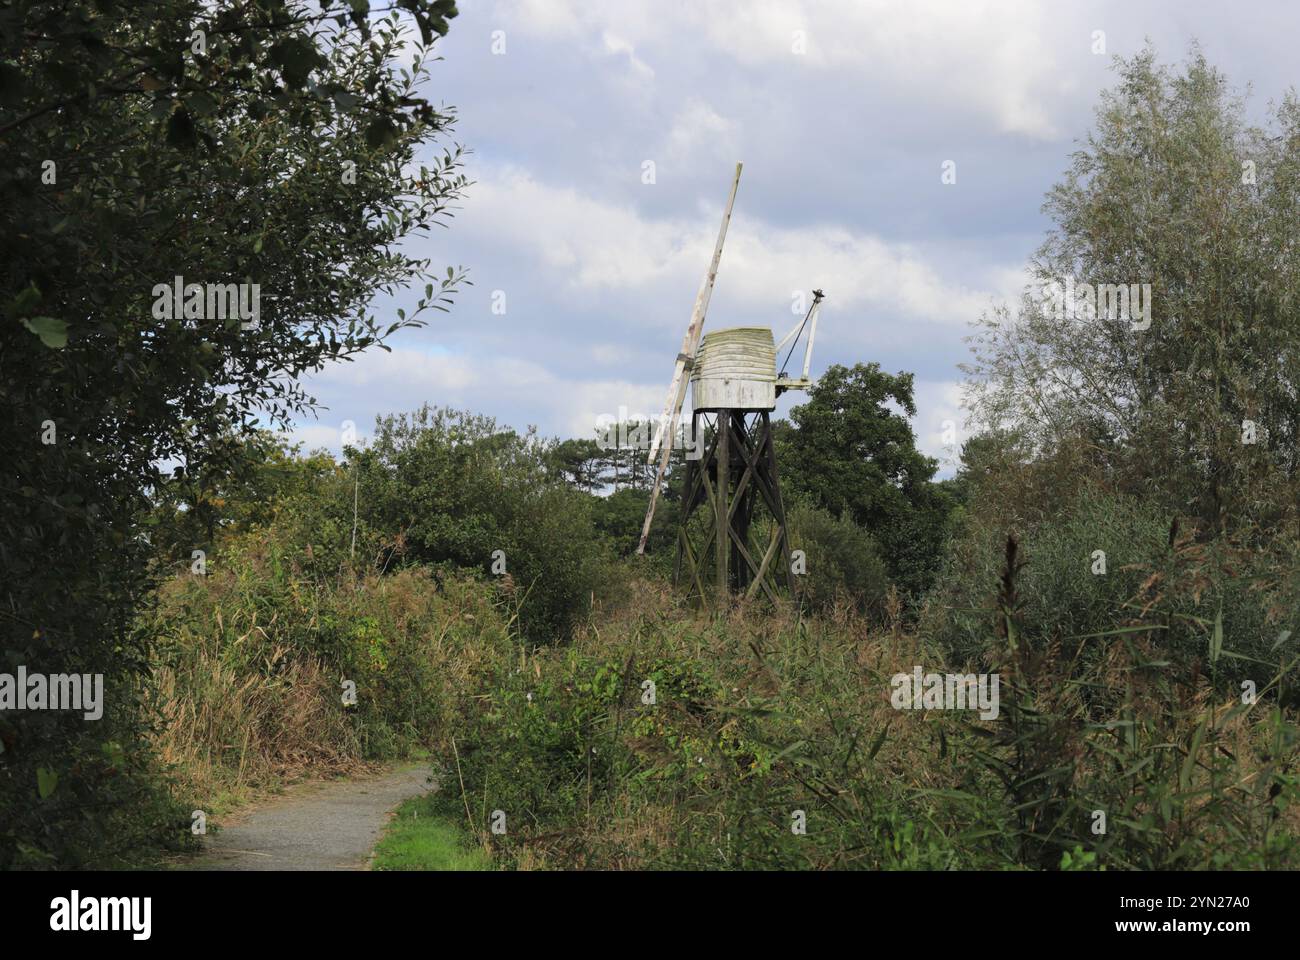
418,838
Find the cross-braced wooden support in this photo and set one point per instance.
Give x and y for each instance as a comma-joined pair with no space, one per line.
717,558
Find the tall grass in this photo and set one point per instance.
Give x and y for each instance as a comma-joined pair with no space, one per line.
252,659
761,720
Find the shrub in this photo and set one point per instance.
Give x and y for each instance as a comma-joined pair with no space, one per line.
1157,575
740,739
658,741
844,563
448,487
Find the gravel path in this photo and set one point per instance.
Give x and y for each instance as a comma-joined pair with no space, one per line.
319,826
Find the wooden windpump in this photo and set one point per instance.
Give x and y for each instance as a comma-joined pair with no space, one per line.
734,386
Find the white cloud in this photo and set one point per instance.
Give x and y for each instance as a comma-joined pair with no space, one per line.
590,245
940,424
699,135
616,46
520,390
609,354
1001,58
317,436
601,270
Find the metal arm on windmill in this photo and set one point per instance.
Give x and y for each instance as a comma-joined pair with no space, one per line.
783,381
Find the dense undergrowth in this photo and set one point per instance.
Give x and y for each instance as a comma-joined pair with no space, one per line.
256,660
1146,668
758,717
664,737
1120,546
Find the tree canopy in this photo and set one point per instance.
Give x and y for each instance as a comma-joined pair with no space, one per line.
1200,397
852,451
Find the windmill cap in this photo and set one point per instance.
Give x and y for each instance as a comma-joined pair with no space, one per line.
735,367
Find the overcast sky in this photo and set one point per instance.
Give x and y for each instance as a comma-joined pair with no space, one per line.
844,113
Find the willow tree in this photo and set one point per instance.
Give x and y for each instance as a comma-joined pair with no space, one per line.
276,151
1177,202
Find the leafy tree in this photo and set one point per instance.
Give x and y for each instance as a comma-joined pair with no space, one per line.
582,463
623,447
244,490
850,453
448,487
276,147
1172,188
621,515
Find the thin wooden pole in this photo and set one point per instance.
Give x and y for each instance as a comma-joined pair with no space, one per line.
780,505
723,515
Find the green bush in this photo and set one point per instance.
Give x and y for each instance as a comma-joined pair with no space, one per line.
658,742
620,516
844,565
1157,575
252,659
441,486
1060,595
534,748
742,740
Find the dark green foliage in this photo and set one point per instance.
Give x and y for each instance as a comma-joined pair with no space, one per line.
620,516
254,486
537,748
1157,575
843,561
1060,596
133,154
1136,751
850,453
580,463
449,487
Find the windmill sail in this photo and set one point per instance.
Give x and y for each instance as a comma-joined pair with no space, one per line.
661,443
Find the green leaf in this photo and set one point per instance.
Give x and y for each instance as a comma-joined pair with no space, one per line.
797,745
52,331
380,132
201,103
46,781
1216,638
296,57
26,298
878,742
1189,762
1119,631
